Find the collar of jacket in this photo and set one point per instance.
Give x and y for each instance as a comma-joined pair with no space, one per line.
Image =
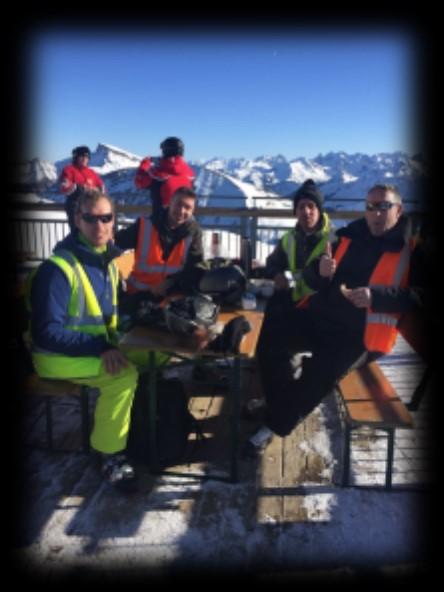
393,240
85,254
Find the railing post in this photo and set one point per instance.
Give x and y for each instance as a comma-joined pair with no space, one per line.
215,244
253,236
243,227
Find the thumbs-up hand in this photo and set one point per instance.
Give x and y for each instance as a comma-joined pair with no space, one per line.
327,265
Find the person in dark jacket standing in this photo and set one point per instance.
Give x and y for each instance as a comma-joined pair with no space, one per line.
163,176
363,282
168,249
76,178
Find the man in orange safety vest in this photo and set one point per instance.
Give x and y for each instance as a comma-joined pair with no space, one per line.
363,282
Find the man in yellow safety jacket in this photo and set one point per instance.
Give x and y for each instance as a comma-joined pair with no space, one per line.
297,248
300,245
73,322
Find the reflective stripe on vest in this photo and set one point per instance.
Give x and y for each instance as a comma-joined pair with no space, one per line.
84,315
301,289
391,270
150,269
84,310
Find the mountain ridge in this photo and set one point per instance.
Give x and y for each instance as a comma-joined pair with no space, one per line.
340,176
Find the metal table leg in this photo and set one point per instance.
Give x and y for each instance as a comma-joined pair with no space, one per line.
48,413
346,455
390,456
235,419
152,410
84,407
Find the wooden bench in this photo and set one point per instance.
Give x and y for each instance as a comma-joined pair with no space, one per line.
416,331
51,389
370,400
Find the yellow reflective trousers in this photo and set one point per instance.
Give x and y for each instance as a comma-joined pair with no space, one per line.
113,407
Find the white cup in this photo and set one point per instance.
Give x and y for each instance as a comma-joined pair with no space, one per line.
267,290
248,301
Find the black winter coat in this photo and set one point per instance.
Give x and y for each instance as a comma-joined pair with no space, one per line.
335,313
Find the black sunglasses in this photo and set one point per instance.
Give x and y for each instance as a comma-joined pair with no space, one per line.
379,205
93,219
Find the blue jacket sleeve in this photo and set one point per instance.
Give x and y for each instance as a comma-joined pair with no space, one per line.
50,294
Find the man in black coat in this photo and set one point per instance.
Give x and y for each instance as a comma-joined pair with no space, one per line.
363,282
174,225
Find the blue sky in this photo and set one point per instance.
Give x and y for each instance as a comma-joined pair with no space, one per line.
291,92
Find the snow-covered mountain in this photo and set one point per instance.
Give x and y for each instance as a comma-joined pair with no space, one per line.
34,175
340,176
238,182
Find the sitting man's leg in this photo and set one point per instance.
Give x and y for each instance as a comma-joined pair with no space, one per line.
297,372
111,422
283,338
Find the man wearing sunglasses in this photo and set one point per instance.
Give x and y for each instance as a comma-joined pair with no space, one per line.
73,309
364,281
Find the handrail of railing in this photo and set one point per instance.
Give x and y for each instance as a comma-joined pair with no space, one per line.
35,234
140,209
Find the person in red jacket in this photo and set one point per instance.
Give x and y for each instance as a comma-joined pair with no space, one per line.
163,176
77,177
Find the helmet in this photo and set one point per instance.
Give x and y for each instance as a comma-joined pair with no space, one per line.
81,151
184,315
172,146
225,284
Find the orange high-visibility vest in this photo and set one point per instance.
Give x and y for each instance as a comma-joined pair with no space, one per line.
150,269
392,269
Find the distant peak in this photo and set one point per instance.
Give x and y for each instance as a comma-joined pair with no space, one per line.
109,148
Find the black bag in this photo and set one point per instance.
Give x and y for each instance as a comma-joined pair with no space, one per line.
229,340
174,422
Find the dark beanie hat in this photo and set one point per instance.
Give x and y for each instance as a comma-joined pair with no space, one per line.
309,190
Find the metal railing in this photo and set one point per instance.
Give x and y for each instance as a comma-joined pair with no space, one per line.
36,228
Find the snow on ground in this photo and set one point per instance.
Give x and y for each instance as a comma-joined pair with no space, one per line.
186,524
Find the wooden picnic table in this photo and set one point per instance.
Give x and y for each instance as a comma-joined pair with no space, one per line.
153,339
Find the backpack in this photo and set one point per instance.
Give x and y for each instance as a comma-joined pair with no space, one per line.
174,422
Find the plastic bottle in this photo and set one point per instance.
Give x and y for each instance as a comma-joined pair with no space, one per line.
248,301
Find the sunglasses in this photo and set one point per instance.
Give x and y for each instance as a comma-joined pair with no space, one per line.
382,206
93,219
